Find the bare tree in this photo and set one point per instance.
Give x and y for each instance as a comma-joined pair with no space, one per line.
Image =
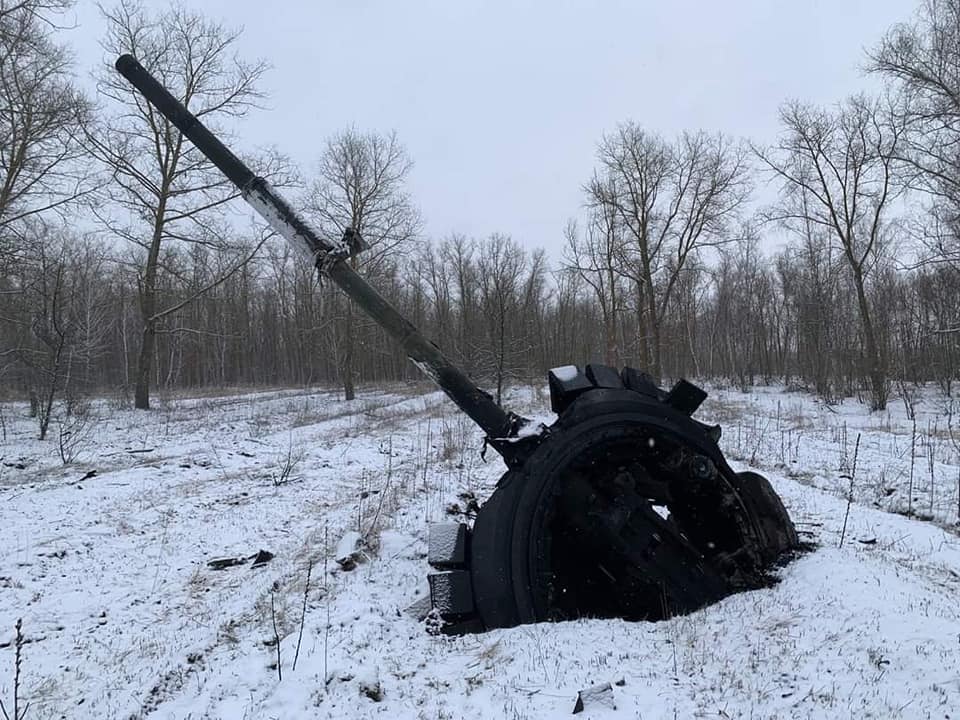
815,303
938,231
673,200
535,298
438,280
838,174
61,315
458,252
163,189
41,113
597,258
922,58
361,184
501,264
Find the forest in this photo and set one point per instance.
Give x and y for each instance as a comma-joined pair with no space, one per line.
128,265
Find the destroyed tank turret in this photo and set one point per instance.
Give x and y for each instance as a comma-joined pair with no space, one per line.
623,507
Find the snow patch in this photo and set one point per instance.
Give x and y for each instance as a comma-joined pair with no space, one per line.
871,625
443,539
565,373
661,510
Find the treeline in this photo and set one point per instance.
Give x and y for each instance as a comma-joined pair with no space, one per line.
171,286
497,309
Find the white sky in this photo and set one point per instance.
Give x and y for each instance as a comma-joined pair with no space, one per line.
501,104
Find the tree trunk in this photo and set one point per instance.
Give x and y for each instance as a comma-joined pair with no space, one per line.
644,355
653,319
501,352
46,408
141,393
875,370
346,368
148,303
610,318
611,356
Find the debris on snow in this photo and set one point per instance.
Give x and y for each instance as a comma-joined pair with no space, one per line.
597,696
261,557
368,679
469,508
350,551
224,563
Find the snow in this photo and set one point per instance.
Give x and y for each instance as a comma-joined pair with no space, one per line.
526,430
530,429
277,212
565,373
349,547
442,540
815,444
125,619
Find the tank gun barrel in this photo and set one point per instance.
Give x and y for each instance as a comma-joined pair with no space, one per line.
331,257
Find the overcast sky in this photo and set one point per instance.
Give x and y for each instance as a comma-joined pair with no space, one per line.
501,104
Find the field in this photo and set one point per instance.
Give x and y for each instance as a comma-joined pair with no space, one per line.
105,558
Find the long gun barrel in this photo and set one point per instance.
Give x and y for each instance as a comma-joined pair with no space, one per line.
331,257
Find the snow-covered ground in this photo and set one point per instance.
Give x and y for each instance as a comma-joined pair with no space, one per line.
899,464
124,618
